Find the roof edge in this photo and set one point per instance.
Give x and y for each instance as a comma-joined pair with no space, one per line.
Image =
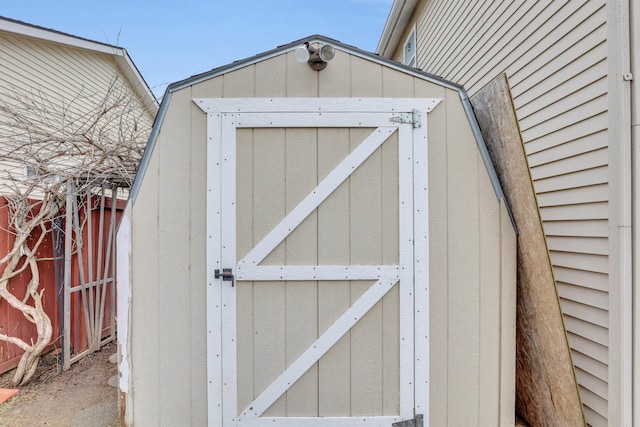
346,48
123,61
399,15
25,29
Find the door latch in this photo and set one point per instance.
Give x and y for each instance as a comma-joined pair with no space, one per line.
227,275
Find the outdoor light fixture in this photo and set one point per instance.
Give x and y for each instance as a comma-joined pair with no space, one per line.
316,58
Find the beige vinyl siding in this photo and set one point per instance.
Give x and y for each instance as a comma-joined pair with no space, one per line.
555,56
472,339
58,74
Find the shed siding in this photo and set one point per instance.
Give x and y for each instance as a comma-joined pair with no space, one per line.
466,375
555,56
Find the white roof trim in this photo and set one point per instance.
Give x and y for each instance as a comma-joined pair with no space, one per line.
399,15
57,37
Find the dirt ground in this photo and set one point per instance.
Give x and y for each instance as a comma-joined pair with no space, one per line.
78,397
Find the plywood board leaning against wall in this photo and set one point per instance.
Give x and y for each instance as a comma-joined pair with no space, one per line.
546,387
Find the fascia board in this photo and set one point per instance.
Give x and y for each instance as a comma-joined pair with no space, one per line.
401,11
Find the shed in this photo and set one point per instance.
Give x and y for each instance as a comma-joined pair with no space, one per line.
316,248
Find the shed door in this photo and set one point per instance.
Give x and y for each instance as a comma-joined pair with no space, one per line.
317,260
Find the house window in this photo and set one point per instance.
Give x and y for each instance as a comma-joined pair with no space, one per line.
410,49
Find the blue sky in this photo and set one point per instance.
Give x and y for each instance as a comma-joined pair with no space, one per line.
172,40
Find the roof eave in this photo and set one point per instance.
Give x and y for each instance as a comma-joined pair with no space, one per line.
139,85
291,46
123,60
399,15
29,30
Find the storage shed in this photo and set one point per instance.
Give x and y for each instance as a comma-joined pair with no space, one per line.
316,248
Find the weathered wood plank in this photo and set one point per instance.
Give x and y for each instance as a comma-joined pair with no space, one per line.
546,388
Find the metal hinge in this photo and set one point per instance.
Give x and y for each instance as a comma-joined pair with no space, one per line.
418,421
414,118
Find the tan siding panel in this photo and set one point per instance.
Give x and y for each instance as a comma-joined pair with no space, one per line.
560,121
553,103
590,67
580,311
490,303
575,212
269,301
586,86
591,142
173,249
575,36
589,296
588,126
589,228
464,295
197,265
582,279
587,364
438,270
145,356
587,167
596,404
595,419
587,330
301,249
366,248
595,385
595,263
585,178
508,296
244,291
582,195
584,245
591,349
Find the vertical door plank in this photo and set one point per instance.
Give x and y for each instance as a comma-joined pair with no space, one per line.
301,249
390,302
366,248
244,243
269,297
334,298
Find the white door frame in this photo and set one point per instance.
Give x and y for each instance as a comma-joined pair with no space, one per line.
407,116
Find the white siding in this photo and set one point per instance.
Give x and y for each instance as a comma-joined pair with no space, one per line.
555,56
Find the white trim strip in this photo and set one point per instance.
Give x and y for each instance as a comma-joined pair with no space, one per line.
310,356
318,195
315,119
228,234
213,255
296,105
421,265
317,272
380,421
405,217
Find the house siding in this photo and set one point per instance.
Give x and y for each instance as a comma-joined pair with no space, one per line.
555,57
55,76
